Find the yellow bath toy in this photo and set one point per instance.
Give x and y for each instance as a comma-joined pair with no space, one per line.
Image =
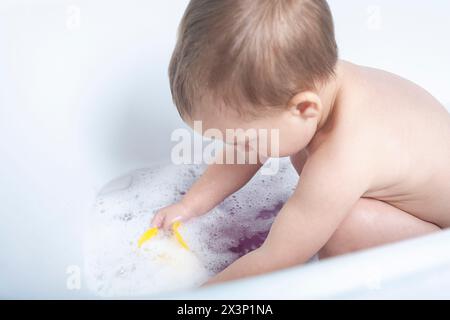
178,236
150,233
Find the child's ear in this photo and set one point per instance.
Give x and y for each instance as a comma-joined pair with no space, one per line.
306,104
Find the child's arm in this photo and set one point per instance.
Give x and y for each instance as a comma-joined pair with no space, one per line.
327,191
217,183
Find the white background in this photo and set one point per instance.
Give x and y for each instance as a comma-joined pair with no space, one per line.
84,98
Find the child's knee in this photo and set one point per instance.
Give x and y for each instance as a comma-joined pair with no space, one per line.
348,237
371,223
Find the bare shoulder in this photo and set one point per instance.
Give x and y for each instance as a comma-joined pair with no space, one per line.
339,163
382,87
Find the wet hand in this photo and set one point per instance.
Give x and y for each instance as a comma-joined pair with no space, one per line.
167,216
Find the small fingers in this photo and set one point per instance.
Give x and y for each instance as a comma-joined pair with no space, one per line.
169,222
158,221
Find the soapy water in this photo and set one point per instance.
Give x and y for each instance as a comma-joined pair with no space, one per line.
115,267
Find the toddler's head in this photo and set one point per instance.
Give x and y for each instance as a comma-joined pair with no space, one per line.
254,64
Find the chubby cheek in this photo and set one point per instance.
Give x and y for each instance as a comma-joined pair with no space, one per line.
283,142
281,148
290,150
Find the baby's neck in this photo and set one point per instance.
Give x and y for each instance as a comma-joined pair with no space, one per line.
329,94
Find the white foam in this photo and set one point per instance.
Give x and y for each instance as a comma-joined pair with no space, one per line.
115,267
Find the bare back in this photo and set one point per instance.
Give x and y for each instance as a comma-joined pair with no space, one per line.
406,133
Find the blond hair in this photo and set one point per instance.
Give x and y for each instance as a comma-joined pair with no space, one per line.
251,54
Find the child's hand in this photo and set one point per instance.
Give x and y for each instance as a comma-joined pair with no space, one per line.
165,217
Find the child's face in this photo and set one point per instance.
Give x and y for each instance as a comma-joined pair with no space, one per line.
281,134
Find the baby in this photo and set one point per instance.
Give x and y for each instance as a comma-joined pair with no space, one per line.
373,149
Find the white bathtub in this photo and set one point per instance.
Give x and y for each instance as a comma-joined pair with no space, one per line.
84,98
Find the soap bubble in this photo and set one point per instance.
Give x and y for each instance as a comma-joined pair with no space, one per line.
115,267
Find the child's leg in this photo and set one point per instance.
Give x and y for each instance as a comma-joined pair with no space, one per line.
372,223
